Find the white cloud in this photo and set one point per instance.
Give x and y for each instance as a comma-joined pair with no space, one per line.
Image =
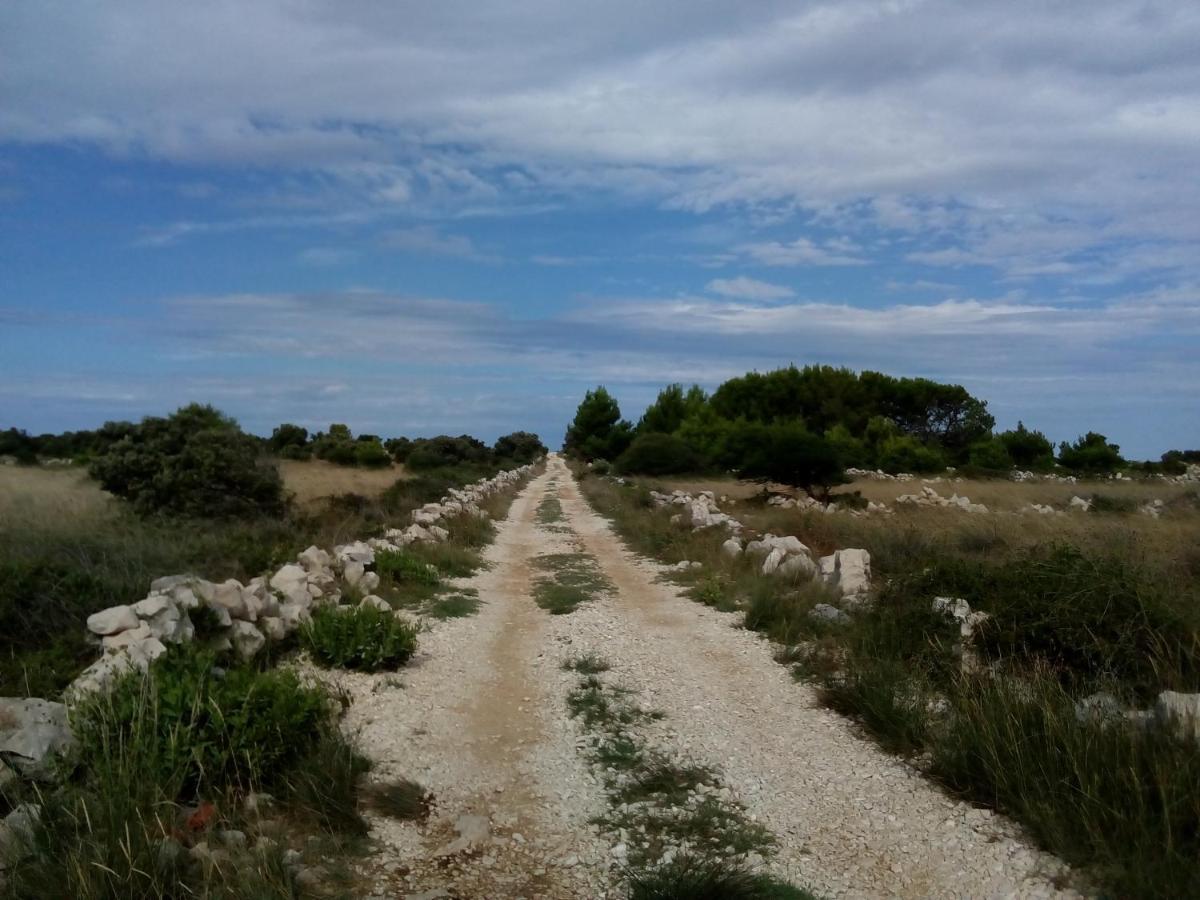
803,252
425,239
748,289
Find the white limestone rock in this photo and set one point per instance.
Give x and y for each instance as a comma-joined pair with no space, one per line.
113,620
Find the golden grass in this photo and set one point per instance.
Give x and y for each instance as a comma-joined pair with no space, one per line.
314,480
31,495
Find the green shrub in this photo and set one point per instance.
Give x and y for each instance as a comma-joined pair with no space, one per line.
597,431
401,567
371,455
601,467
788,453
444,451
1028,449
654,453
193,729
195,462
1091,454
902,453
362,638
990,455
519,448
1108,503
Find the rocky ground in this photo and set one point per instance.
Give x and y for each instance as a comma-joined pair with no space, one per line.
481,719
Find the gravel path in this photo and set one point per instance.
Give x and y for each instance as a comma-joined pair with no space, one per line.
482,722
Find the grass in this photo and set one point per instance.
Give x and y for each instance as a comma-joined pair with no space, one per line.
1077,603
363,638
575,579
461,603
314,481
666,803
699,878
163,764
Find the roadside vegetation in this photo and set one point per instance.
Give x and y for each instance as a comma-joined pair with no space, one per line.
685,841
206,776
1088,615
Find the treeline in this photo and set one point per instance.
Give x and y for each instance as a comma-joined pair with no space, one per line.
337,445
805,426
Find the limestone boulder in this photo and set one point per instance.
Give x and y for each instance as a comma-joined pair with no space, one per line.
32,733
113,620
247,640
732,547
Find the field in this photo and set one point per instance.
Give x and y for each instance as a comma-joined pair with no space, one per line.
315,480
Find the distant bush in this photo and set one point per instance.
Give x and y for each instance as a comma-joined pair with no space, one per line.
287,437
1090,454
520,447
788,453
371,455
1028,449
196,462
399,448
443,450
990,455
601,467
598,431
906,454
362,638
656,453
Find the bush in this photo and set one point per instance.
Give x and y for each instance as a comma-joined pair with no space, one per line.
362,638
196,462
399,566
655,453
789,454
1090,454
444,451
399,448
598,431
371,455
1028,449
601,467
990,455
906,454
287,436
520,447
198,730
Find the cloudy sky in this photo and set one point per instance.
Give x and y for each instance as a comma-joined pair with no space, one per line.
420,218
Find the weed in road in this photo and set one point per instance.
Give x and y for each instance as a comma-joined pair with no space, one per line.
464,602
576,578
692,877
587,664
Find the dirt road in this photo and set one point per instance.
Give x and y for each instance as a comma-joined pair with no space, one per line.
482,721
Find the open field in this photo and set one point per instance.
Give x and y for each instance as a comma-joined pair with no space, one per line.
314,480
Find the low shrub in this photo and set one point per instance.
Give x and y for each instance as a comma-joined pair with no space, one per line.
371,455
398,566
1109,503
362,638
695,878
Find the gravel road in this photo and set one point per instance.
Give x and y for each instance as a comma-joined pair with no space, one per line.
480,719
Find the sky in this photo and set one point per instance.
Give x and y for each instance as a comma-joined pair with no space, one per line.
423,218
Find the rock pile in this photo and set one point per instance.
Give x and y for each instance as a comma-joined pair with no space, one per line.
930,497
879,475
700,511
810,504
267,608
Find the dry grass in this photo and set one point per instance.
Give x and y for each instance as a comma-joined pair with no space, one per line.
997,494
30,496
314,480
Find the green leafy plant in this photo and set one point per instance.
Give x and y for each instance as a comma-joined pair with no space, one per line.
362,637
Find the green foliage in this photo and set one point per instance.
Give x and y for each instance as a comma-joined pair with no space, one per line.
655,453
689,877
195,462
597,431
1117,799
668,412
906,454
199,730
990,455
444,451
362,637
399,566
399,448
787,453
371,455
1091,454
1028,449
519,448
287,436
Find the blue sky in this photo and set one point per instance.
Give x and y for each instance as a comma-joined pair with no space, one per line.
420,218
